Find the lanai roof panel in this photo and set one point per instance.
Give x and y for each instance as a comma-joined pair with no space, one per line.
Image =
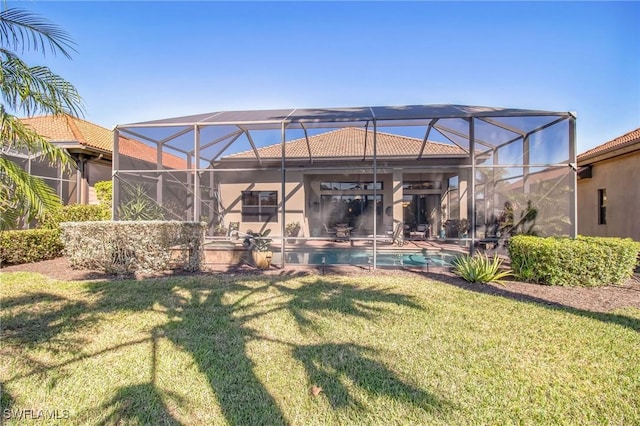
348,115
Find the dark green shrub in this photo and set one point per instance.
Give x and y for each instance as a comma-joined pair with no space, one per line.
29,245
480,269
75,213
584,261
128,246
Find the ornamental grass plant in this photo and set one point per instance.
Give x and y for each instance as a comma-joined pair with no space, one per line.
481,269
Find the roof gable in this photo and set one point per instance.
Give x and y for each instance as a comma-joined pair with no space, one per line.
352,142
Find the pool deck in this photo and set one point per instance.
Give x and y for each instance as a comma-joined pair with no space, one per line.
230,251
356,243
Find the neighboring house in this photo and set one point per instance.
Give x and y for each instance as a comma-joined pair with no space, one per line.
609,188
91,146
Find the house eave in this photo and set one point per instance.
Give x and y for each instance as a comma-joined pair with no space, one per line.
628,148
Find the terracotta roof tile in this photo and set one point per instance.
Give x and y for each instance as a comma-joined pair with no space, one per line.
627,139
350,142
135,149
71,129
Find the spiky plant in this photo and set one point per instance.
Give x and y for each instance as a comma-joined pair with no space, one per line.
481,269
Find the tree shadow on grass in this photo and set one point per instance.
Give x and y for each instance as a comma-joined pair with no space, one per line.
323,296
330,365
6,399
42,326
208,316
142,403
216,339
504,291
138,404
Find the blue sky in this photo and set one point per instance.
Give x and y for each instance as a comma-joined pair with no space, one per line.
140,61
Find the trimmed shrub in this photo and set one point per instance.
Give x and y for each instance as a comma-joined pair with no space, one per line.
584,261
75,213
126,247
104,192
480,269
29,245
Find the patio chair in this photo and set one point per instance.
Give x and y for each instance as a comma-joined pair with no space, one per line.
397,238
329,232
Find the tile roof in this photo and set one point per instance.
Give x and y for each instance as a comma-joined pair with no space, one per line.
136,149
65,128
350,142
626,140
72,129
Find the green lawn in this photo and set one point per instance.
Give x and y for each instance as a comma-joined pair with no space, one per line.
247,349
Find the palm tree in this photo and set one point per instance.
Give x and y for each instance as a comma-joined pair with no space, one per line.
30,90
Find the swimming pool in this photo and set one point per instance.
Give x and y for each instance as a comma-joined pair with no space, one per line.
418,259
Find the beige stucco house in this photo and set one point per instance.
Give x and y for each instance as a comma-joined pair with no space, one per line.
609,188
339,186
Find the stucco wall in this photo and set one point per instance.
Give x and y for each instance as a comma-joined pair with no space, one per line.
303,196
620,177
232,185
299,208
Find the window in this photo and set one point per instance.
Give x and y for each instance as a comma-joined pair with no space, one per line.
453,182
259,206
602,206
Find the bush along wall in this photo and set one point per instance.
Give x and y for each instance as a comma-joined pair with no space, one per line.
29,245
75,213
584,261
141,246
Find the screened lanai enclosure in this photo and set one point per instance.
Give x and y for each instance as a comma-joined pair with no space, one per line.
373,186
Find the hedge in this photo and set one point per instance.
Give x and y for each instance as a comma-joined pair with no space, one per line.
75,213
140,246
29,245
584,261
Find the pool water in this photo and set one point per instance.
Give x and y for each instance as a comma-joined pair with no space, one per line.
364,257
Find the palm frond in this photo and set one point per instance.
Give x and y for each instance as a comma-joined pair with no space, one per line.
24,30
25,194
37,89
